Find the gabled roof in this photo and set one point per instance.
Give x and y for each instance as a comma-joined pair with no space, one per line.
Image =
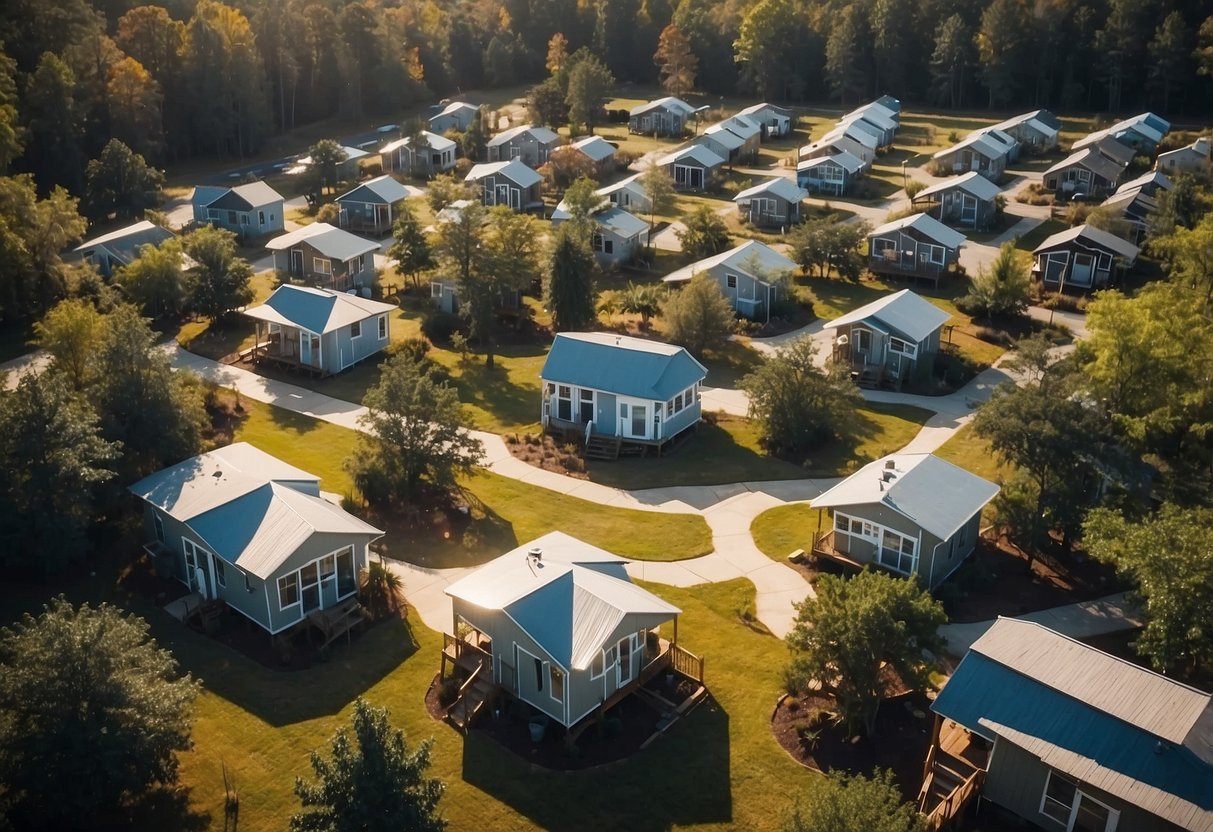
863,125
541,134
696,153
904,313
876,113
765,107
317,310
249,508
329,240
125,242
925,225
669,103
383,190
571,600
1110,148
1122,729
1146,125
1042,121
779,186
621,364
742,126
514,170
1199,148
1091,159
621,222
999,138
245,197
596,147
889,103
978,143
971,182
630,183
1133,198
724,136
854,134
740,258
432,140
457,107
204,195
1089,235
1151,178
845,160
933,494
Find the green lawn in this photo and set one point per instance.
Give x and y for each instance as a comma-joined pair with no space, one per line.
969,451
782,530
504,512
877,430
1029,241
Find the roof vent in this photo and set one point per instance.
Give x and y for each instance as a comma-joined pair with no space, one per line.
535,552
218,475
890,465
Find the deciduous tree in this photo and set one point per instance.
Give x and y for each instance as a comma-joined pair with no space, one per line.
844,637
841,802
11,132
704,234
659,190
157,282
546,104
33,233
676,63
590,84
763,46
327,156
410,248
121,183
69,333
417,435
134,99
1001,291
53,144
221,277
698,316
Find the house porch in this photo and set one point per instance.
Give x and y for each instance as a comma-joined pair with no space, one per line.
290,347
953,773
371,219
907,266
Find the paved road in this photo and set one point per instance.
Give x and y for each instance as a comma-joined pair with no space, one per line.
1082,620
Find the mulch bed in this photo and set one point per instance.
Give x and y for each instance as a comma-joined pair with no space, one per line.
545,452
901,740
995,581
597,745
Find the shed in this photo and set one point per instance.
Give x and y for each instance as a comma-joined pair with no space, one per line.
250,210
775,121
978,152
627,193
599,151
1083,257
457,116
692,167
617,233
369,208
1084,171
661,117
531,144
1192,158
116,249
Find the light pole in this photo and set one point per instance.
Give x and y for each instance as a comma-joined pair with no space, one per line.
905,182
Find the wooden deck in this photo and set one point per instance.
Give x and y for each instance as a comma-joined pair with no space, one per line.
823,547
953,774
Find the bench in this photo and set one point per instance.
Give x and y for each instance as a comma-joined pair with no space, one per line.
796,556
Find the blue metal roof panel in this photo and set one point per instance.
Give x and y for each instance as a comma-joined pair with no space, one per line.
622,365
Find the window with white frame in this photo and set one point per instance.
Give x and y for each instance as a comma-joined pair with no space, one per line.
1069,806
308,578
904,347
931,254
220,572
435,289
585,399
261,218
382,327
564,402
321,265
158,523
356,329
897,551
288,591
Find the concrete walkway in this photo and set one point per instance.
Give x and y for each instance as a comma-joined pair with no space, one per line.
1082,620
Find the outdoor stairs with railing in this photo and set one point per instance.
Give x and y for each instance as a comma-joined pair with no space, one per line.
600,446
475,695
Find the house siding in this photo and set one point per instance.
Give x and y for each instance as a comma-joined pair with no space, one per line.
660,121
525,147
814,179
299,261
245,223
784,212
747,288
1016,782
865,551
608,418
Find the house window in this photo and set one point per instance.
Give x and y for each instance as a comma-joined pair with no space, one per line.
261,218
538,674
288,591
730,280
220,573
596,667
863,340
625,658
556,683
897,552
931,254
608,246
435,290
231,217
158,523
669,408
586,399
321,265
382,327
248,585
1066,804
356,329
347,580
904,347
884,248
597,241
564,402
213,214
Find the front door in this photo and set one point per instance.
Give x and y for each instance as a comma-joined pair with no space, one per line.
968,210
296,261
305,347
502,196
1083,266
634,420
309,587
604,420
197,564
626,668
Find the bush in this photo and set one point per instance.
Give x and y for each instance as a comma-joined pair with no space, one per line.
796,679
1066,303
463,166
624,158
329,212
439,326
414,348
914,188
994,335
448,692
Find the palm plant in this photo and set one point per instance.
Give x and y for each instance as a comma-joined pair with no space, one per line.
381,589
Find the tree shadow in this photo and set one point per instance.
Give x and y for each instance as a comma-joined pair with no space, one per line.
681,779
444,536
166,808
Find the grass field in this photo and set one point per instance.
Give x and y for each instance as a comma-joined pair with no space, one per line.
779,531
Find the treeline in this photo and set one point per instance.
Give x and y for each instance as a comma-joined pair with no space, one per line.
203,78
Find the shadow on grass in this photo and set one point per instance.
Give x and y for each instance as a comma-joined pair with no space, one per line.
681,779
875,431
445,537
218,339
728,363
166,808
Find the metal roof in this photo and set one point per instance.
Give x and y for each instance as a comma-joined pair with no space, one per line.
329,240
432,141
780,186
981,143
696,152
742,258
669,102
596,147
755,109
875,114
382,189
542,134
853,133
1151,178
457,106
317,310
844,159
257,194
904,312
742,126
1147,125
971,182
622,365
723,135
926,225
629,183
513,170
126,241
1042,121
1091,236
621,222
571,600
1121,728
1092,160
250,508
935,495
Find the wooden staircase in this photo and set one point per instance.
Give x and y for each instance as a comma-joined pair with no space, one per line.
475,695
600,446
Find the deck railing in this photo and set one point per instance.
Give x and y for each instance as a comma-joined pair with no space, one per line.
687,663
956,801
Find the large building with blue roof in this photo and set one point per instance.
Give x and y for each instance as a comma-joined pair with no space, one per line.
1080,740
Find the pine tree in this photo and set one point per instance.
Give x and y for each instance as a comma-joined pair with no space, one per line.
568,286
1001,42
410,248
1170,57
950,62
847,55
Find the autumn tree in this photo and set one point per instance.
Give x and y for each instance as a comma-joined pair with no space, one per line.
95,715
854,630
120,183
558,52
675,61
416,436
135,99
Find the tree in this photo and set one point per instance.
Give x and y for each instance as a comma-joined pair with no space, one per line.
568,286
33,232
417,435
1189,251
1120,46
566,165
1204,48
513,263
1001,291
558,52
797,406
842,638
825,245
156,414
841,802
951,60
121,183
847,55
134,101
53,147
380,590
698,316
1001,44
581,200
659,190
643,299
156,281
327,156
546,104
675,61
704,234
88,698
590,84
410,248
11,132
1170,54
222,278
52,458
69,333
446,188
763,46
892,26
373,783
1168,558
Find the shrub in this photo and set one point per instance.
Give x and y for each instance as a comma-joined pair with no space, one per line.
439,326
414,348
953,137
463,167
329,212
914,188
1066,303
994,335
448,691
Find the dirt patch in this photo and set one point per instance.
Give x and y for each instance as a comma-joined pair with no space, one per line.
901,739
225,411
995,581
543,451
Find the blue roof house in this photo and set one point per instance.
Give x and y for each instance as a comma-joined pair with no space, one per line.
240,526
253,209
1067,737
620,391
